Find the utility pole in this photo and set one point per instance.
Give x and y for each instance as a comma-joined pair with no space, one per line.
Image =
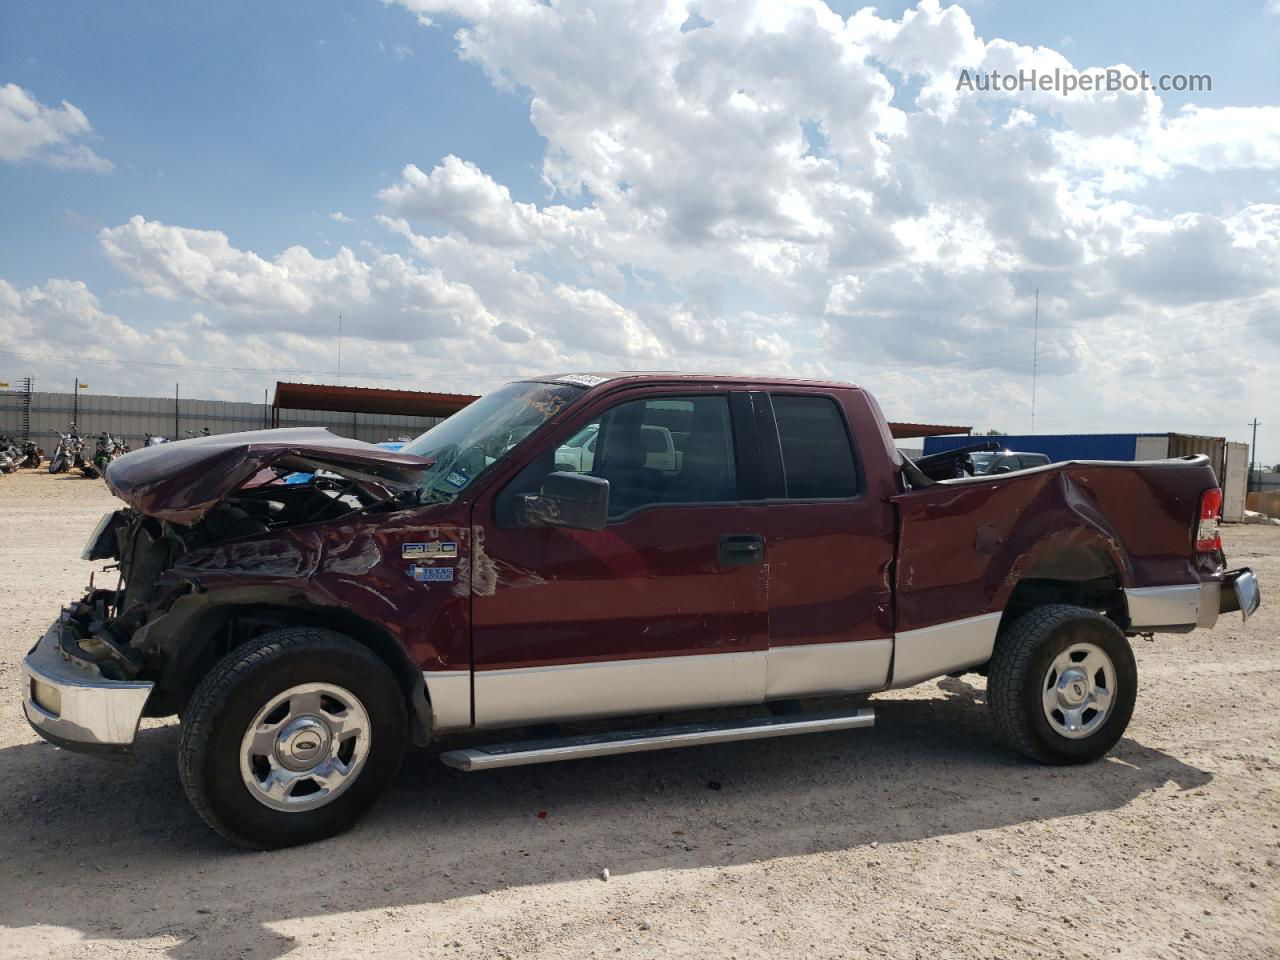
1254,478
1035,361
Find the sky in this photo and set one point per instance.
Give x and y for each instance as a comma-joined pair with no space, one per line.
490,189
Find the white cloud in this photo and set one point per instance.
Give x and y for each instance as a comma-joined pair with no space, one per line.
296,287
29,130
339,217
457,194
747,191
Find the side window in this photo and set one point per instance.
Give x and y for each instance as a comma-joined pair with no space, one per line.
652,451
817,457
664,450
575,454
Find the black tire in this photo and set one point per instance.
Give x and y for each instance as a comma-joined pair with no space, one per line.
1024,653
238,687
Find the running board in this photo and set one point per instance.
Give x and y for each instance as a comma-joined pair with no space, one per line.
521,752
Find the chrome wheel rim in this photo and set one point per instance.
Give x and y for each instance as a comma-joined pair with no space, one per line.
1079,690
305,747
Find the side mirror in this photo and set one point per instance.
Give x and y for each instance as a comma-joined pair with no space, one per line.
566,500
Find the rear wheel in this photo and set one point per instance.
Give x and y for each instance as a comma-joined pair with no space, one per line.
1062,684
291,738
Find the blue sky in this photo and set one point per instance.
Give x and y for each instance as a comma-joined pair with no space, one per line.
262,118
256,118
246,126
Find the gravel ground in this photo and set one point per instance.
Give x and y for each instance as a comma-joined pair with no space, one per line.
920,838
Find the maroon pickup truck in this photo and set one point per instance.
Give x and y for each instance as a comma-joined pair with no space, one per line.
578,549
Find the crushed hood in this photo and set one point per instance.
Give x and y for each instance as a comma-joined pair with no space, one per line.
182,481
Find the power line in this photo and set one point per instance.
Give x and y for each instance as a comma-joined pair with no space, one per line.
1035,359
171,365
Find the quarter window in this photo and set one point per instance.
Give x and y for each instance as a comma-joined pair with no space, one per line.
817,457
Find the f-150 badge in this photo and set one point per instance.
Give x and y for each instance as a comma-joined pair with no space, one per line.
436,550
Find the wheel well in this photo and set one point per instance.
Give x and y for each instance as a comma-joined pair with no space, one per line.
1079,576
211,633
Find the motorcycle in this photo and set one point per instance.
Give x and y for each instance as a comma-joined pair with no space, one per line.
69,452
154,440
107,449
32,455
9,455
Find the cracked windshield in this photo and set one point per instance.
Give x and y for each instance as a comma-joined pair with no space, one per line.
478,436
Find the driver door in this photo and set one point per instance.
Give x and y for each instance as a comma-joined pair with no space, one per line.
663,609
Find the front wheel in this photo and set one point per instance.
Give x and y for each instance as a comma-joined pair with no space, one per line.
291,737
1062,684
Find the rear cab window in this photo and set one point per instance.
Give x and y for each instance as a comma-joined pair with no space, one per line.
818,457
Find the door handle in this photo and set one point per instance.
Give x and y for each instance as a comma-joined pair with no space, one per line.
740,549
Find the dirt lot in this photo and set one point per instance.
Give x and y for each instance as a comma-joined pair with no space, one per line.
920,838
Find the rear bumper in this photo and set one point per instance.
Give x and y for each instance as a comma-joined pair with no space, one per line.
1179,608
69,703
1240,591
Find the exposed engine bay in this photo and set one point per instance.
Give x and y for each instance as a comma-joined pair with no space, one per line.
105,628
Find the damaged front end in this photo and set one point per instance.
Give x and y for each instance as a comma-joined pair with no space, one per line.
100,668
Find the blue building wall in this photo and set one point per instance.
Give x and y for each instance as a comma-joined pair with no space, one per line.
1058,447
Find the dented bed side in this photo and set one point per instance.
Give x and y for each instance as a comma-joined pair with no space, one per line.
965,545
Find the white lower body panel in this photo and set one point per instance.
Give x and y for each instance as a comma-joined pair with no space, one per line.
577,691
820,669
929,652
449,692
506,698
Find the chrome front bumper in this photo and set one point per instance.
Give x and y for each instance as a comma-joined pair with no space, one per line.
1182,607
69,703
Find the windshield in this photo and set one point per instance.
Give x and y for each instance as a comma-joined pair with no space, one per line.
982,461
481,434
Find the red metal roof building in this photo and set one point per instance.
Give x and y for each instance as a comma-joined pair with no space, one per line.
422,403
404,403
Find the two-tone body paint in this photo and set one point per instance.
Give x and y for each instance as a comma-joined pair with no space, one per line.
883,589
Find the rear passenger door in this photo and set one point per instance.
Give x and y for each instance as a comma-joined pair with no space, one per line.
829,547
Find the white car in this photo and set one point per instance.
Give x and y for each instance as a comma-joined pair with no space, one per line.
578,453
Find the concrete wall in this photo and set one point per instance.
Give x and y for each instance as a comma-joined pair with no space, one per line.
134,417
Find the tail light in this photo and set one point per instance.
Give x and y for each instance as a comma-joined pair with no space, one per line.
1208,539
